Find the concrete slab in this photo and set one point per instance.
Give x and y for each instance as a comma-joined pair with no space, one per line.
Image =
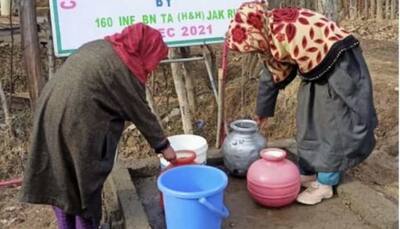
355,206
112,215
150,197
133,214
245,213
141,168
371,205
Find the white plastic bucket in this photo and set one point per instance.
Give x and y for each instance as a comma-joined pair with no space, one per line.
191,142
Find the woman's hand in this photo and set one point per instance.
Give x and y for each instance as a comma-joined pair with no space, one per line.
262,124
169,154
261,121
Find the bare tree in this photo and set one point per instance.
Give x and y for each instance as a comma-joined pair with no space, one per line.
30,45
387,11
329,8
393,9
4,105
372,8
353,9
309,4
274,3
302,3
366,13
344,10
379,14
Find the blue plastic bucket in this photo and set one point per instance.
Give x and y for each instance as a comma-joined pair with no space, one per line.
193,197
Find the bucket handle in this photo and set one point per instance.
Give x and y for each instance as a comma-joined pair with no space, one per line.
224,213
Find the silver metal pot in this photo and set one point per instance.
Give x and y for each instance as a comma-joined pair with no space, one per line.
242,146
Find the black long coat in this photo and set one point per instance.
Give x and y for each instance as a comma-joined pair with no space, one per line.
78,122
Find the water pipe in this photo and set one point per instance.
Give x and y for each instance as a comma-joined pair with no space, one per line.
11,183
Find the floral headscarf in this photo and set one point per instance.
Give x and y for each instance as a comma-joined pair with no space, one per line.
287,39
248,30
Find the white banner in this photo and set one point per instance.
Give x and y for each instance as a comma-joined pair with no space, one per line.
181,22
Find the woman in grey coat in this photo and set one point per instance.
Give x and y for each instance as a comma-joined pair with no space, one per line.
80,117
336,117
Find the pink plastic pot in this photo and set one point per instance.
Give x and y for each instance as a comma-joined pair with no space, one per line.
273,181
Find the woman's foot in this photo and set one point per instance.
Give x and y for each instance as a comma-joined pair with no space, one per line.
315,193
307,180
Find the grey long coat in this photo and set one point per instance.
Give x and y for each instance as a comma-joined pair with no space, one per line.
78,122
336,117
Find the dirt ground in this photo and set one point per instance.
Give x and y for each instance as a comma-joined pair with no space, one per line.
380,170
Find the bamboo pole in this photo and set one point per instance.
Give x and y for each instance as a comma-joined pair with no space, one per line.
30,45
181,93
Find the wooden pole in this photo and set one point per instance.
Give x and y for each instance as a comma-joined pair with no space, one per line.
209,66
181,93
30,46
50,50
12,86
221,108
189,83
190,89
213,60
150,101
245,69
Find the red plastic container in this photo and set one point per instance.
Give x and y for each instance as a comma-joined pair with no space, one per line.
183,157
273,181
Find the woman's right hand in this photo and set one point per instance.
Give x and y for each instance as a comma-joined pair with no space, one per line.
261,121
169,154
